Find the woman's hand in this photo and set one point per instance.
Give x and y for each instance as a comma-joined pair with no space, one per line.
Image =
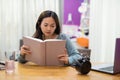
64,57
25,50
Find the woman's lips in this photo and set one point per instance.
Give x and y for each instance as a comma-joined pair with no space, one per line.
48,32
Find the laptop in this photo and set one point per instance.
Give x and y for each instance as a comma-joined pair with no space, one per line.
111,68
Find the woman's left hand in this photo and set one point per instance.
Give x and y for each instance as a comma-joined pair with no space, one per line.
64,57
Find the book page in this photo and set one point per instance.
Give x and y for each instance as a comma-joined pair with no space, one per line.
53,40
37,48
53,49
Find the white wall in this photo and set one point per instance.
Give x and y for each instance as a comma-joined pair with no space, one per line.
18,18
104,28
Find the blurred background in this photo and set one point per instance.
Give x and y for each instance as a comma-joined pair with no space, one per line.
91,24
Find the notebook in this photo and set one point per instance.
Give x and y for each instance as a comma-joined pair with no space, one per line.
111,68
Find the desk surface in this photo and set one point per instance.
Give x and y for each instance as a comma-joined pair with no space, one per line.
34,72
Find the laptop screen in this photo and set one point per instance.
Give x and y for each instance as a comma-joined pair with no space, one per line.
117,56
115,67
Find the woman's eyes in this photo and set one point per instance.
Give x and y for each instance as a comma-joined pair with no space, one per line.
50,26
45,25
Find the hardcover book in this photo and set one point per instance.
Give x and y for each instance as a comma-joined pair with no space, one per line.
44,52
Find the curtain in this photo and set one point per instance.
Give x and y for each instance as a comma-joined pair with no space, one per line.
18,18
104,29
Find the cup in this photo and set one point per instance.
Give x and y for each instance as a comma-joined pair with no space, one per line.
9,66
9,62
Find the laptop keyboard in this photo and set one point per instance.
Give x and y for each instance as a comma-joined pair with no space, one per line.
110,68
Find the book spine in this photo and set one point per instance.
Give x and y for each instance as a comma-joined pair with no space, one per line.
45,54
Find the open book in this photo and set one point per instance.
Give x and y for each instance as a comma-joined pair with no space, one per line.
44,52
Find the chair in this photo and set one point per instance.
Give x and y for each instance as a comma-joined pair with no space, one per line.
21,43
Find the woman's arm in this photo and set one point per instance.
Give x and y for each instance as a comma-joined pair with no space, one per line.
21,59
23,51
73,53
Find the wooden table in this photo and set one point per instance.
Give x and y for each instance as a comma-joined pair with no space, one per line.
34,72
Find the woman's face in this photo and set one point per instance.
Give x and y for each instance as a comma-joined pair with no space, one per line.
48,26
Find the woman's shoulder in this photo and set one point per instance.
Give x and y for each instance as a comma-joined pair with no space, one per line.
63,36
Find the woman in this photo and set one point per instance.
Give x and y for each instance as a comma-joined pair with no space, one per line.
48,27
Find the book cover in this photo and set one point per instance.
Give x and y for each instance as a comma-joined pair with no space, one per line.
44,52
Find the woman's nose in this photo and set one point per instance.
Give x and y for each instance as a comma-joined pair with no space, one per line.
48,28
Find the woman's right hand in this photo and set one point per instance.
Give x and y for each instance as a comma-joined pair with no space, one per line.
25,50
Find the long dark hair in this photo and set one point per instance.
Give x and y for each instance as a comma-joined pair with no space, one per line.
38,33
